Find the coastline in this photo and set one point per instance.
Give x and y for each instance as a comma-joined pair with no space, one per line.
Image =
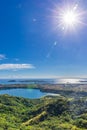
61,89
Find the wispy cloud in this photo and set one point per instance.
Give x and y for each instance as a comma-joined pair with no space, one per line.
15,66
2,57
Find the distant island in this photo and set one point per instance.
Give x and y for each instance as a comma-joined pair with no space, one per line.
11,80
35,81
83,81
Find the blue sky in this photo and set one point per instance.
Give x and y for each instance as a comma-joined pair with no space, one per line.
31,45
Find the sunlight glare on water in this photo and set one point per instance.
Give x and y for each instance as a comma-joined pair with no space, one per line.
67,81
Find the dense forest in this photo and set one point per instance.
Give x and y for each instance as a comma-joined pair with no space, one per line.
47,113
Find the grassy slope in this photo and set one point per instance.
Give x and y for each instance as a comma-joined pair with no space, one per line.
47,113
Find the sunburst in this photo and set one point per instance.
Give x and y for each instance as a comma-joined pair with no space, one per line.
69,16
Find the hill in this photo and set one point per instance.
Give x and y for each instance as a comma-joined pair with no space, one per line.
47,113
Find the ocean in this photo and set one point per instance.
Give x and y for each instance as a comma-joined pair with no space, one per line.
45,81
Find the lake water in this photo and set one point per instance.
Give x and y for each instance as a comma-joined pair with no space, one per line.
24,92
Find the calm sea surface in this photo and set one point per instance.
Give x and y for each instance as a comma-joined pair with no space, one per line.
27,81
44,81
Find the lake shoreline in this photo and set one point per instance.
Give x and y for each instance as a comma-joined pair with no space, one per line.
62,89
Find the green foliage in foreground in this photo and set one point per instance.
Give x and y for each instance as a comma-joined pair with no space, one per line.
48,113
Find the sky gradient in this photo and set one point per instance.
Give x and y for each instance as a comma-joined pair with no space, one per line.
32,46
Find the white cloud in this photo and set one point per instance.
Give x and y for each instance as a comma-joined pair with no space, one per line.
2,57
15,66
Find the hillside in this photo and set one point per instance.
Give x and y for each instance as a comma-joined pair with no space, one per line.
48,113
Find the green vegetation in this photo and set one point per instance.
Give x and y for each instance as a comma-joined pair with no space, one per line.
48,113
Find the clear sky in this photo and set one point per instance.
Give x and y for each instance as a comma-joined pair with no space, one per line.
32,45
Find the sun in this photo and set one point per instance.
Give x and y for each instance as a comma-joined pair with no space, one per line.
68,17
